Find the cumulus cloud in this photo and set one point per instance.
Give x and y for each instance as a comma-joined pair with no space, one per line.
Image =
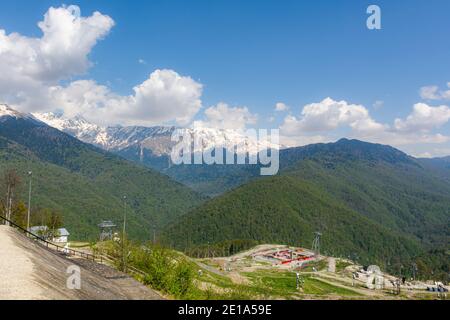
424,118
222,116
32,69
164,97
321,121
434,93
280,106
29,65
329,115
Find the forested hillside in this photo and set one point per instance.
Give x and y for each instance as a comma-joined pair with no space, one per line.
370,201
87,184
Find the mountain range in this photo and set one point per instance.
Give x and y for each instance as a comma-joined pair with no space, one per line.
370,201
87,184
151,146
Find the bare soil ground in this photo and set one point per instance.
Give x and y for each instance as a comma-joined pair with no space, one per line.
29,271
237,267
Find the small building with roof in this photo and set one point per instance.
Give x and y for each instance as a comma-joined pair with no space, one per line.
61,236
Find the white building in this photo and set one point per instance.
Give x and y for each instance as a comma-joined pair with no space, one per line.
62,236
41,231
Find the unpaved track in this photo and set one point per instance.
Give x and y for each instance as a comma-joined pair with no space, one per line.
29,271
16,271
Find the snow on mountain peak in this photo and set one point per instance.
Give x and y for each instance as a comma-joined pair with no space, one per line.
77,127
157,139
108,138
6,110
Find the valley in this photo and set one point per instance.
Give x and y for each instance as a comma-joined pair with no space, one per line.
86,184
373,204
256,273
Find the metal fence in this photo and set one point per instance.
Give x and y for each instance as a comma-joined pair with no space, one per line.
51,245
101,258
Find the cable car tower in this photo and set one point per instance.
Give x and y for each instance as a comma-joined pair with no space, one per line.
107,230
316,244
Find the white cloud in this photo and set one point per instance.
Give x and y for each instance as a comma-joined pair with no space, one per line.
423,118
303,140
31,71
330,115
402,139
434,93
164,97
324,121
223,116
28,66
61,52
142,61
378,104
424,155
280,106
429,93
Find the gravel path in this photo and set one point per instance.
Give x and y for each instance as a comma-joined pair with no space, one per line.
16,270
28,270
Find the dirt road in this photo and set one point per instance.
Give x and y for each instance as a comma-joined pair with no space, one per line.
29,271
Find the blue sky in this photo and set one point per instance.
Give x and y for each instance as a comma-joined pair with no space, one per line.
258,53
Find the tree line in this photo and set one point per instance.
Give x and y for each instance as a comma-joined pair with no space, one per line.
13,208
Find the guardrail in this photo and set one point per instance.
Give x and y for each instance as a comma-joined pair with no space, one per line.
102,258
48,244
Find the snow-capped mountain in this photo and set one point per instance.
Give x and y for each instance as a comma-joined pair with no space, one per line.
109,138
156,139
77,127
8,112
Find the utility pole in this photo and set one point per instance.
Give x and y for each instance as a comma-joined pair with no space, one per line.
30,174
9,208
124,216
414,271
154,236
124,231
7,204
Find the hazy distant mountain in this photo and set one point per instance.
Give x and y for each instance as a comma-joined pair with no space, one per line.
439,166
85,183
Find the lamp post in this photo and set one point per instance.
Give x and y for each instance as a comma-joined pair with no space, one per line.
124,231
124,216
414,270
30,174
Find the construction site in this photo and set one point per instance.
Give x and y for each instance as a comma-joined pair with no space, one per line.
299,273
36,269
